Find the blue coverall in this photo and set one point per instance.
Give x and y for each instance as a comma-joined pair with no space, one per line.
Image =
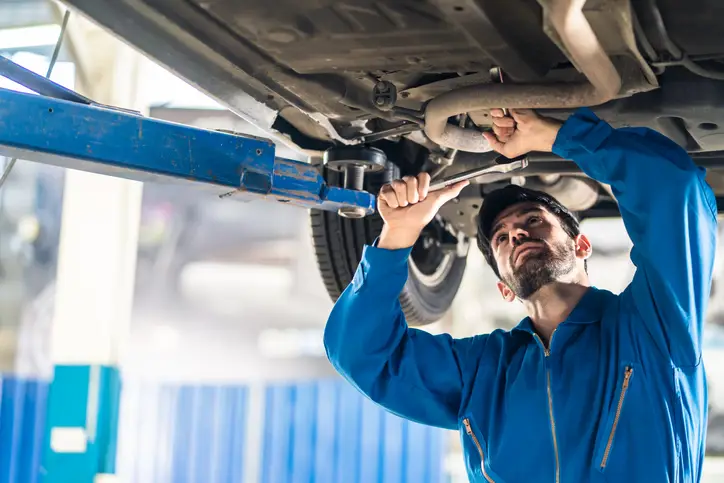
621,394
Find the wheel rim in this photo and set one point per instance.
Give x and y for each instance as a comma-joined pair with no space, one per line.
429,262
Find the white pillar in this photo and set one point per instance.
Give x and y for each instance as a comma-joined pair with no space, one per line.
95,280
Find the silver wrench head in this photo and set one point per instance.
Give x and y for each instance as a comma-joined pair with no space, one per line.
518,164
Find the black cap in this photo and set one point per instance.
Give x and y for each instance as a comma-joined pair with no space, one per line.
497,201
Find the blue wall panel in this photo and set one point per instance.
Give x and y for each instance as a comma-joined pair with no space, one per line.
326,432
326,447
22,428
83,396
314,432
182,433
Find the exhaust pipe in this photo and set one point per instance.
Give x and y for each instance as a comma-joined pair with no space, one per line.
584,50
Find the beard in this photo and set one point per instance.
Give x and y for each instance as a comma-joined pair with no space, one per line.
538,269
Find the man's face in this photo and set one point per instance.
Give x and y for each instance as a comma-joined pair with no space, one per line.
531,248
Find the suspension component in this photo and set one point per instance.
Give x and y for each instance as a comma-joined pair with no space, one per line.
384,95
354,162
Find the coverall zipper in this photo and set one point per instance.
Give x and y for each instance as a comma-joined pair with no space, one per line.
547,353
469,430
624,388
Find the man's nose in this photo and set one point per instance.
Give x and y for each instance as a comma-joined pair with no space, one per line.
518,237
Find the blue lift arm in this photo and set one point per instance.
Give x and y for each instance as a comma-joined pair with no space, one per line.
100,139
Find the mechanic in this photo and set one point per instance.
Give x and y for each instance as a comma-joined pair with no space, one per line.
591,386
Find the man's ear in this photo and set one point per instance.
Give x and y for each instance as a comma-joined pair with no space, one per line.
508,295
583,247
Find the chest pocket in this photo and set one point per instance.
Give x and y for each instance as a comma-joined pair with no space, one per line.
606,440
476,451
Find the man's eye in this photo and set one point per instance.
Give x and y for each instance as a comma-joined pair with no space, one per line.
534,220
501,238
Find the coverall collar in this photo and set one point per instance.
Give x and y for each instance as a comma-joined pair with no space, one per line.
588,310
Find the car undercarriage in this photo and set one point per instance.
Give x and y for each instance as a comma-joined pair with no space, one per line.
373,90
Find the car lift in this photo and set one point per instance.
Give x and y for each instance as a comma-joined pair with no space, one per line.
62,128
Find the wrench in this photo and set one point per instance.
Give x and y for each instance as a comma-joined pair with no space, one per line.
517,164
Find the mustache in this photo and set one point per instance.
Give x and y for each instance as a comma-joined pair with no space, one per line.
522,245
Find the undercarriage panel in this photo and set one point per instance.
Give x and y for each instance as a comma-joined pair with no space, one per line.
383,37
323,57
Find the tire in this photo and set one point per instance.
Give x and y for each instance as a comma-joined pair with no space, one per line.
338,242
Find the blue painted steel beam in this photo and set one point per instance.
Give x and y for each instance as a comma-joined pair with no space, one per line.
122,144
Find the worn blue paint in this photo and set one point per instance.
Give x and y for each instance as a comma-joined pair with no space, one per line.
72,388
127,145
22,428
319,431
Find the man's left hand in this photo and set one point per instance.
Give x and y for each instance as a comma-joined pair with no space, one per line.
522,133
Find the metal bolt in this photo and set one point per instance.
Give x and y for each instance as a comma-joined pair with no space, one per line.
354,177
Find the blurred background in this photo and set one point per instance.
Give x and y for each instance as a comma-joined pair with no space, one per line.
224,373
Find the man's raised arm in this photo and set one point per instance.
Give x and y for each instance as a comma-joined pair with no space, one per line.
408,371
670,214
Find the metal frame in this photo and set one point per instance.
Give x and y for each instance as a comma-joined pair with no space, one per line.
65,129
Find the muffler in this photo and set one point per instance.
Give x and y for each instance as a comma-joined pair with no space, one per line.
583,48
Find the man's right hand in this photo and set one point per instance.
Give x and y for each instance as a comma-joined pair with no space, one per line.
407,207
522,133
